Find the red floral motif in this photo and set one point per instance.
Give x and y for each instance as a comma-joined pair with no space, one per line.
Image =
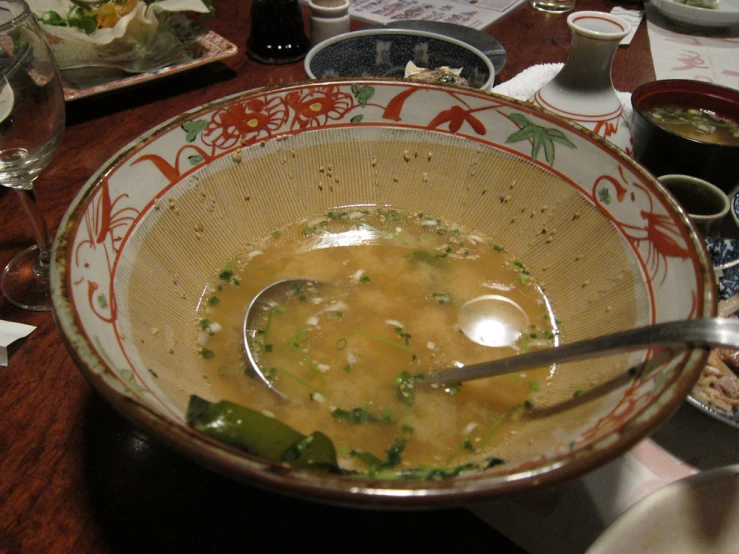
173,172
659,231
395,106
638,397
456,116
607,128
641,392
105,225
664,235
316,106
245,122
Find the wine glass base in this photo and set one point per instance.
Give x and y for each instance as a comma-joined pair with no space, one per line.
23,286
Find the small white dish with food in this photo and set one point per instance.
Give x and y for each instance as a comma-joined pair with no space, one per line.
700,13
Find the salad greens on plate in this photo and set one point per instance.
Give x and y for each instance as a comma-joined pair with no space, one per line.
88,17
134,35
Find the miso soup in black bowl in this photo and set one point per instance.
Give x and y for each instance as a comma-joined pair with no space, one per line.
688,127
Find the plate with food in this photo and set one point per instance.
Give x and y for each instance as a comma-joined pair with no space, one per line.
385,52
485,43
106,45
717,390
700,13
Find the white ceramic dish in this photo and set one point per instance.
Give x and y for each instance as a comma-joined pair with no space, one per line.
695,515
726,13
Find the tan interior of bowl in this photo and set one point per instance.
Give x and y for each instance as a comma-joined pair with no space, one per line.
584,264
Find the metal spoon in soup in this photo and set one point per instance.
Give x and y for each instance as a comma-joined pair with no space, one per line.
493,320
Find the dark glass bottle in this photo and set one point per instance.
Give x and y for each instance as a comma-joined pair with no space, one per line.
277,32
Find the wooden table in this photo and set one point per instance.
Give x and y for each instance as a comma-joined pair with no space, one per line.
75,477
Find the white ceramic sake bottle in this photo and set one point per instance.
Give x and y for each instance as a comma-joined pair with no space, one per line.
583,91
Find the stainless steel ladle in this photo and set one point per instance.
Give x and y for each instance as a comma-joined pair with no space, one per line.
703,333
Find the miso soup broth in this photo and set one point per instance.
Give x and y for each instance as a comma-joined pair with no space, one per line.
697,124
346,356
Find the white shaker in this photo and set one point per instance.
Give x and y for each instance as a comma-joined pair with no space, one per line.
328,18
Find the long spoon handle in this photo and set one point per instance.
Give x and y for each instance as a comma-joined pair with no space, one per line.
703,333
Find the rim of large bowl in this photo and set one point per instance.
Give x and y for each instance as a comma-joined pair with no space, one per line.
340,490
390,31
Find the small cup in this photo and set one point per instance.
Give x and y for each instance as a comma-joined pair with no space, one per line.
553,6
705,203
328,18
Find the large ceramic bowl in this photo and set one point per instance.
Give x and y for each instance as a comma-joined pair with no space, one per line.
664,151
385,53
611,248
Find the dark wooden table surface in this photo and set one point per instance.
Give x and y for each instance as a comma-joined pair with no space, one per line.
76,478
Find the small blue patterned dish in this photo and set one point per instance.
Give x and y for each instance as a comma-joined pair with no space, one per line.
734,196
485,43
725,255
385,53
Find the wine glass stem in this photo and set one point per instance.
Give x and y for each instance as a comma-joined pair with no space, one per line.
29,202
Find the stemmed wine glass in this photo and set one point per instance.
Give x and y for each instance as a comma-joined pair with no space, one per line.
31,125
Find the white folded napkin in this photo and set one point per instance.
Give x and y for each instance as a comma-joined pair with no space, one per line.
9,333
633,17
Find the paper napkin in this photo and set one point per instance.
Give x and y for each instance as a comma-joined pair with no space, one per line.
9,333
634,17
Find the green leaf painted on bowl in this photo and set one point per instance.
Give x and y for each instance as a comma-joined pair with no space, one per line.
604,195
363,94
193,128
540,137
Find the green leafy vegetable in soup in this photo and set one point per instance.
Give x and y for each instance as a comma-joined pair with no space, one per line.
702,125
351,357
